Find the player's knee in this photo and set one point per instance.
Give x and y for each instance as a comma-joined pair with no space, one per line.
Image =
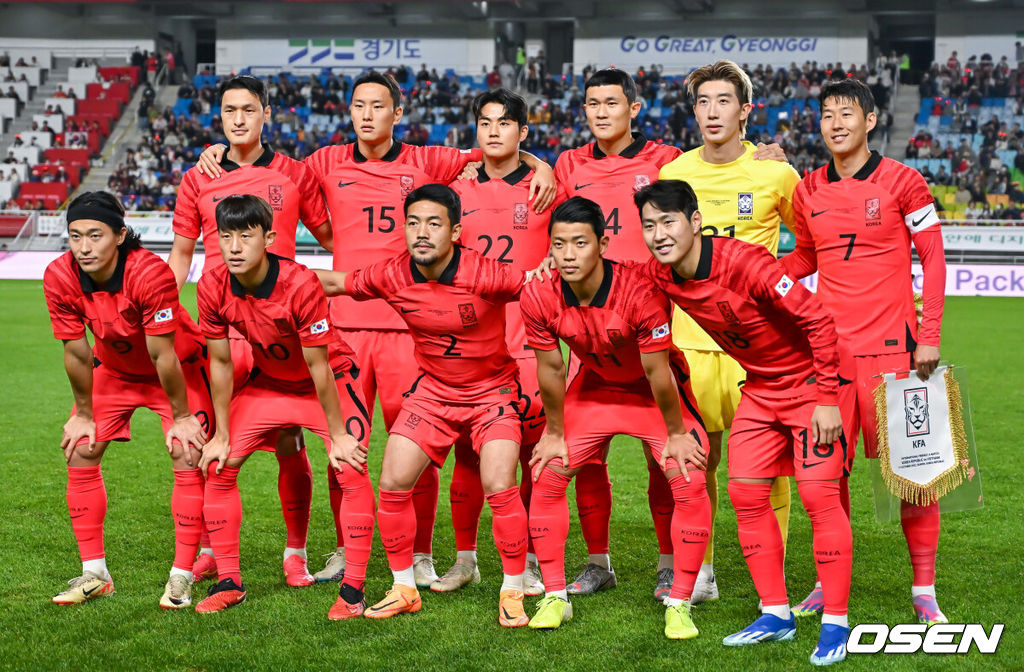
81,456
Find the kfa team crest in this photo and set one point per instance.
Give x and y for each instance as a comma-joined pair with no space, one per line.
275,196
872,209
519,215
915,403
405,183
641,181
468,314
745,204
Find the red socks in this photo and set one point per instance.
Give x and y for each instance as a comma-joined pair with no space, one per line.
424,501
509,526
921,528
549,527
295,487
760,540
397,522
594,503
356,510
187,511
832,541
222,508
467,497
87,505
660,498
690,529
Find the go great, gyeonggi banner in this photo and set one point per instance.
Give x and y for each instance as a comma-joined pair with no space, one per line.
679,50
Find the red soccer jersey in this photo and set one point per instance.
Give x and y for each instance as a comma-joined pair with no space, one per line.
498,222
627,316
857,232
366,200
774,327
611,181
457,323
140,299
286,312
287,185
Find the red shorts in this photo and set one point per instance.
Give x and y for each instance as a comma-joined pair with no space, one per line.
595,411
434,425
857,399
531,408
387,368
258,412
115,399
771,437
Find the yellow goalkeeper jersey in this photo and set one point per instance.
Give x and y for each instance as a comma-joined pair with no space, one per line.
745,199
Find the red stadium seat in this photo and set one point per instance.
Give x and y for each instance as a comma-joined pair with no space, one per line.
115,73
74,157
44,190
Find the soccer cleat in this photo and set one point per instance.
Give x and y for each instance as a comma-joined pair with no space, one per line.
205,567
221,596
927,611
85,587
533,583
423,570
296,573
461,574
679,622
593,579
334,569
664,585
350,604
177,593
511,613
767,628
704,589
812,605
399,600
551,613
831,646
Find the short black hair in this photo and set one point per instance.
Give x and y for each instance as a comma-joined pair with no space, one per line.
613,77
440,194
579,210
242,212
253,85
107,208
385,80
668,196
848,89
514,104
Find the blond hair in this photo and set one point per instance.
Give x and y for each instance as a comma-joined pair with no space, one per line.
724,71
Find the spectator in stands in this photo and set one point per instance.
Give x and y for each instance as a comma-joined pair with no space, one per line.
494,79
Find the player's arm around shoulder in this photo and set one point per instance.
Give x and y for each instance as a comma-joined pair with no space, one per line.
333,282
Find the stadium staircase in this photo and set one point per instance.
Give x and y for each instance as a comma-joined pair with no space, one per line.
905,107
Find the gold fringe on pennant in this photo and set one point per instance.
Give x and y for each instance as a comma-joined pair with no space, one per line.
947,481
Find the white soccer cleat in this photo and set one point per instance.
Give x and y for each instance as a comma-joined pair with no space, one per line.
334,569
533,582
177,593
86,587
705,589
423,570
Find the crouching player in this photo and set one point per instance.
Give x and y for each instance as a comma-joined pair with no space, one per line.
787,421
303,377
453,300
632,381
148,353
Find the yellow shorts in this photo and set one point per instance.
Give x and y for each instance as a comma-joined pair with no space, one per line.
716,379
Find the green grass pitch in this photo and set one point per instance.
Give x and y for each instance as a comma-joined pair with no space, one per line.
979,580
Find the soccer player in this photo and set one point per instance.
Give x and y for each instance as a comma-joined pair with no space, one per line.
856,218
787,421
498,223
303,377
631,380
453,300
293,193
365,184
147,353
740,198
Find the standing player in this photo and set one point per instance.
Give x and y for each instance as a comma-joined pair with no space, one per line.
855,221
365,184
498,223
303,377
293,194
632,381
453,300
740,198
787,422
127,298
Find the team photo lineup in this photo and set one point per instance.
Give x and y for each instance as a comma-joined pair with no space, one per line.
513,317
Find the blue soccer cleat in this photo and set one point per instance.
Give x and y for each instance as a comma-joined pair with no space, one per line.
831,646
768,628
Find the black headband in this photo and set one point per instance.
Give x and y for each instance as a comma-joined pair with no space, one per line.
111,218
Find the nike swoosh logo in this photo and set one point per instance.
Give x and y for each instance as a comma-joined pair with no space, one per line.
577,187
187,524
78,516
345,184
687,541
507,615
844,381
382,607
89,592
918,221
747,555
825,562
808,465
535,425
215,530
294,508
409,310
819,212
469,212
357,536
218,198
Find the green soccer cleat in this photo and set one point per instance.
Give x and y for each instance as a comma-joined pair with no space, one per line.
551,613
679,622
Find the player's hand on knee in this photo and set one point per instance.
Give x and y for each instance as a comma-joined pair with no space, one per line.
772,152
75,429
209,160
216,450
926,359
470,171
346,450
548,448
544,269
186,432
826,425
683,448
